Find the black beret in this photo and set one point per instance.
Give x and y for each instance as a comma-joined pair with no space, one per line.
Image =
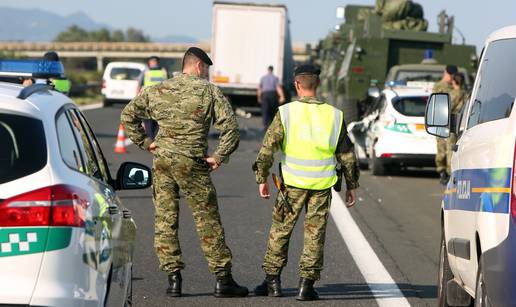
451,69
198,52
307,69
51,56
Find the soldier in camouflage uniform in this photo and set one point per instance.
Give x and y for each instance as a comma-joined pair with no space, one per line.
315,202
184,108
458,97
443,86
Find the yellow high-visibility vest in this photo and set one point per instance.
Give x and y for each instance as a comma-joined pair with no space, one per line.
154,76
311,134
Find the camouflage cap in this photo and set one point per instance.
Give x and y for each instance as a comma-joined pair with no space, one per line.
307,69
198,52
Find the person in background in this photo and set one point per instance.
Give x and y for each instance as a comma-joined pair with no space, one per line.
443,86
270,95
457,96
62,84
153,75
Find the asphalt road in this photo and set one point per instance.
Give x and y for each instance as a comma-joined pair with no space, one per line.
398,215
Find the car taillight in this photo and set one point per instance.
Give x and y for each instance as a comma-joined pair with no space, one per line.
103,86
59,205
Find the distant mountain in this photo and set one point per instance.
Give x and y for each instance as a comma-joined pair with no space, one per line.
40,26
176,39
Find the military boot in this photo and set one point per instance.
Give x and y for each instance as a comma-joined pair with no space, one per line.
227,287
306,290
271,286
444,178
174,281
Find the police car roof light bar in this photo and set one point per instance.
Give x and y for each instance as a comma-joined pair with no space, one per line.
31,68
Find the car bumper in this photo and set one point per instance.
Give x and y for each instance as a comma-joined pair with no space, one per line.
421,160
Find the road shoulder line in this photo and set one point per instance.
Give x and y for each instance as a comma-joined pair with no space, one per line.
385,290
91,106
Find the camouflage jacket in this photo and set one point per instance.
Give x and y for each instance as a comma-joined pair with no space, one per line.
273,142
441,87
457,97
184,108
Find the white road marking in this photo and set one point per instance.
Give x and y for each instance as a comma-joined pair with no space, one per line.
91,106
385,290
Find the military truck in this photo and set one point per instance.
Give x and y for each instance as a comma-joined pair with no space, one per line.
373,39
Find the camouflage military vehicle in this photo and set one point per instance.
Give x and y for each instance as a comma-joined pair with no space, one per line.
372,40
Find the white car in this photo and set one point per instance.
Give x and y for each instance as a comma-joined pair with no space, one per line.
65,238
121,81
393,134
478,242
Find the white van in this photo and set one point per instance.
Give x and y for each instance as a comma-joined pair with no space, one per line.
121,81
478,245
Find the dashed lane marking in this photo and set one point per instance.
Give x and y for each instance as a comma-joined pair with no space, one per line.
385,290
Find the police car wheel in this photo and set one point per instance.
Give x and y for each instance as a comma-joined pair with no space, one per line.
377,167
481,299
445,273
106,102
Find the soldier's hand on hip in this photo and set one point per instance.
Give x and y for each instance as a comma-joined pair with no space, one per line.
212,163
351,198
152,147
264,190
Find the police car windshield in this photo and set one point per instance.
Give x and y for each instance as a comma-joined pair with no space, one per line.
428,76
410,106
123,73
23,149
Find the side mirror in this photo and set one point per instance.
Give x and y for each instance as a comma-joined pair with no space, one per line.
131,176
437,115
373,92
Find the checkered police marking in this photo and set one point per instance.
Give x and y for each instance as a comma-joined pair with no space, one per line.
23,246
17,241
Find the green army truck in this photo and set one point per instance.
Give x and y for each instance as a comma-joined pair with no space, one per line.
372,40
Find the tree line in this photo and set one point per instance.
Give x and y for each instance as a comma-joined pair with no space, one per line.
75,33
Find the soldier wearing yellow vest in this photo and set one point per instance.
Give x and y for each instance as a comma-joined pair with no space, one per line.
312,137
154,75
63,84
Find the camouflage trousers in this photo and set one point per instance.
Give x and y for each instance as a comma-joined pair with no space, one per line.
317,204
440,156
450,142
170,174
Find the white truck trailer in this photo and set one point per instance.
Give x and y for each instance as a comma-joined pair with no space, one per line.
246,39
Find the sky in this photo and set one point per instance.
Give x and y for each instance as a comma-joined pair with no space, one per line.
311,20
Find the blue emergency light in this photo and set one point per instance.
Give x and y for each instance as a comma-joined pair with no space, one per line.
395,83
31,68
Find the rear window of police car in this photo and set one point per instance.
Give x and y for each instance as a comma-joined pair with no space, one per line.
410,106
23,149
123,73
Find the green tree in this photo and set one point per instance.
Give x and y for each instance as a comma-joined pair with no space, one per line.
118,36
77,34
72,34
135,35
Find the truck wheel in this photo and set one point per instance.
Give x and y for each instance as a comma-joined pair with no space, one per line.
376,165
445,273
481,299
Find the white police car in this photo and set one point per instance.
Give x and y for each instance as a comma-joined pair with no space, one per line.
478,245
393,133
65,238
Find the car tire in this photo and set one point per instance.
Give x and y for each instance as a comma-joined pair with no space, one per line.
377,167
445,274
106,102
481,299
129,297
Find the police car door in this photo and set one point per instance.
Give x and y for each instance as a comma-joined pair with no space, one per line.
485,157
